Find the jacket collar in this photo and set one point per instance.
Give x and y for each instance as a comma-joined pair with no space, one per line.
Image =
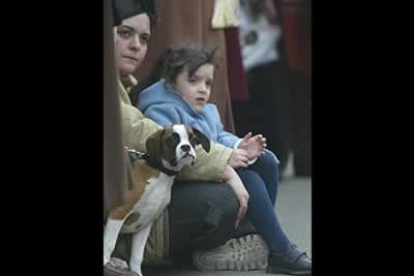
125,86
129,83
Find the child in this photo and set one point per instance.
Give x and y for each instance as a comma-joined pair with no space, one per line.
181,96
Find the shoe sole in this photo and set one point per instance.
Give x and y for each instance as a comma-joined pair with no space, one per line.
243,254
111,271
274,270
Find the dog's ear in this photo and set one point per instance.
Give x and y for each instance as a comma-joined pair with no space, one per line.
153,143
202,139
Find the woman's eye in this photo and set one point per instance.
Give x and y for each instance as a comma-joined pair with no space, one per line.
123,33
145,39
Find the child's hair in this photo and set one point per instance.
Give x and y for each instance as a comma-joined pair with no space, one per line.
187,56
173,61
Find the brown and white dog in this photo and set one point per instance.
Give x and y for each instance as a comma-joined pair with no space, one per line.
168,150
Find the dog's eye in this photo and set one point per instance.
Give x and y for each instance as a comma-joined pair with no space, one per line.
173,140
193,140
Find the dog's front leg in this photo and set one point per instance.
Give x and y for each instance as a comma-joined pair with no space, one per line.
112,229
139,240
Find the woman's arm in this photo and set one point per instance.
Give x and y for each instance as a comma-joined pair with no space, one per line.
231,177
208,166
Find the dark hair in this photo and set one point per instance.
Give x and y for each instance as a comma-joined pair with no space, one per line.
175,59
123,9
172,62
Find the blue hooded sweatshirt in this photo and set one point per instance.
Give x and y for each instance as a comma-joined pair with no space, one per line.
166,107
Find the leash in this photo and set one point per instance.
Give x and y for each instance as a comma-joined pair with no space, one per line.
136,155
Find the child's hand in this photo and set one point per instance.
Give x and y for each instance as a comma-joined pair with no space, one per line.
253,145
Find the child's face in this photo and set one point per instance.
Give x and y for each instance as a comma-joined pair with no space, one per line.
196,89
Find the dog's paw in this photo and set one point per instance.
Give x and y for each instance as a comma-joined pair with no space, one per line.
118,263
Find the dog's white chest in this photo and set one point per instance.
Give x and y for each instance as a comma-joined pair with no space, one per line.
154,200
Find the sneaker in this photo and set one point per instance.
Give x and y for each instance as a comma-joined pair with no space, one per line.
109,270
246,253
118,264
294,262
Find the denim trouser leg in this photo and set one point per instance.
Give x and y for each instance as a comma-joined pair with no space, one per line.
201,216
261,181
267,168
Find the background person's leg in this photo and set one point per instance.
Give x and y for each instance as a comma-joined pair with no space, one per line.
267,89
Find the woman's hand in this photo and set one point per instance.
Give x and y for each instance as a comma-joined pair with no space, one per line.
239,159
242,195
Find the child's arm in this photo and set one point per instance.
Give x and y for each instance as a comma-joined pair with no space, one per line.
226,138
253,146
231,177
223,137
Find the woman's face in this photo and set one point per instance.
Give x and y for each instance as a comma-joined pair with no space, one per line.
131,42
196,89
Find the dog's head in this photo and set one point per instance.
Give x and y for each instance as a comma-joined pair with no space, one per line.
173,146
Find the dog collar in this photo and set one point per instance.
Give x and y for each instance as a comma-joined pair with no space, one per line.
159,166
136,155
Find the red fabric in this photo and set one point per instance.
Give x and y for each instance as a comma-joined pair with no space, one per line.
297,37
235,70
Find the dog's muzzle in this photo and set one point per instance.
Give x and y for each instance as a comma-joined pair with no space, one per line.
187,158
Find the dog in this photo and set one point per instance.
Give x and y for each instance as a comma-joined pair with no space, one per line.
168,150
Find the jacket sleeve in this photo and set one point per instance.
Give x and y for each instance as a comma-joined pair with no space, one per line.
208,166
136,128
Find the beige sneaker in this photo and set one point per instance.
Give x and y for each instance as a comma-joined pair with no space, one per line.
113,271
246,253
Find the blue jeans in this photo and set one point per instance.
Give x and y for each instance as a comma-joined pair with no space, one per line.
261,181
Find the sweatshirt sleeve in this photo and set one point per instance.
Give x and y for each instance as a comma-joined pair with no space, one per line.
223,137
163,114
